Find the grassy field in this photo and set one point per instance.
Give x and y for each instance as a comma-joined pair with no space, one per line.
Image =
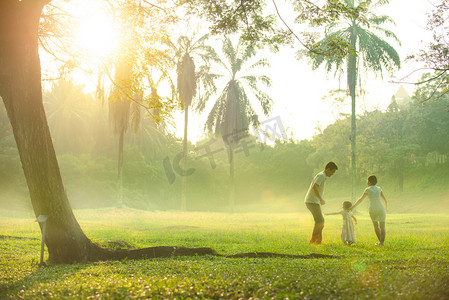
412,265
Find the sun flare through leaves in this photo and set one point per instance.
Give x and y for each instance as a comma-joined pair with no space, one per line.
97,34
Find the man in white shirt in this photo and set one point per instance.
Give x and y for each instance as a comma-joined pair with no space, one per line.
314,200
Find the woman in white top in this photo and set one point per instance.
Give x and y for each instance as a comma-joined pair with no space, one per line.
377,208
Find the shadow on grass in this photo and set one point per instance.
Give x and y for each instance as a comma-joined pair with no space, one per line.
118,253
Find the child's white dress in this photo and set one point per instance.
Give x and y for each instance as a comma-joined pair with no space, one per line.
347,229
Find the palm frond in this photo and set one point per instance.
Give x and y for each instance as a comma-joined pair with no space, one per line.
265,101
248,52
252,117
265,80
229,52
379,3
381,20
207,80
377,53
207,54
260,63
387,33
253,80
199,43
233,112
216,111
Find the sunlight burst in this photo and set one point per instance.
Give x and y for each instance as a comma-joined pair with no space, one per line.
97,35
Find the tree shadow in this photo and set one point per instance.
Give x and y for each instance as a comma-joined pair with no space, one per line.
173,251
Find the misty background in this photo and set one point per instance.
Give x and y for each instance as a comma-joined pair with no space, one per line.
406,146
405,143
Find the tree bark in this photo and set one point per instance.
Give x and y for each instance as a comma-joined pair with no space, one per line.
184,161
231,179
20,88
121,141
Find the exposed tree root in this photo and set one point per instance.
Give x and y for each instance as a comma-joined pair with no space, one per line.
171,251
98,253
162,251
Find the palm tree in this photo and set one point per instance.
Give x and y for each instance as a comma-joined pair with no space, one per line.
233,113
141,52
127,104
373,53
119,111
189,78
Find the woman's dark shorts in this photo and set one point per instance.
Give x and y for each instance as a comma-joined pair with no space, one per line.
315,209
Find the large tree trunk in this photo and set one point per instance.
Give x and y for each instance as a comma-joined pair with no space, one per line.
20,88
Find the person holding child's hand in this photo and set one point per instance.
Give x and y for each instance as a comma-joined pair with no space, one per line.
377,208
314,200
347,229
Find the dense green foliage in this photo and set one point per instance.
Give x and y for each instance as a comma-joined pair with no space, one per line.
412,265
406,147
233,113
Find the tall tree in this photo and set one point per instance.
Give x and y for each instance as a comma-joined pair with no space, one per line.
362,31
233,113
189,78
21,91
119,111
141,52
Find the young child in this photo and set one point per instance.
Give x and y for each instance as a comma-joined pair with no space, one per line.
377,209
347,230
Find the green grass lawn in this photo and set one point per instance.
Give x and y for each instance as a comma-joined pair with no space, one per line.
412,265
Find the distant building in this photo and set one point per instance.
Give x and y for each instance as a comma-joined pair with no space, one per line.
400,100
402,97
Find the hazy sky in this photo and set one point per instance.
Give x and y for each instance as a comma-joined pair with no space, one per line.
297,91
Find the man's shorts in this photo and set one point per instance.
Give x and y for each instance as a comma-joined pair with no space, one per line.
315,209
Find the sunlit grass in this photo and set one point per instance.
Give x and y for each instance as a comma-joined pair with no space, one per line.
412,265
